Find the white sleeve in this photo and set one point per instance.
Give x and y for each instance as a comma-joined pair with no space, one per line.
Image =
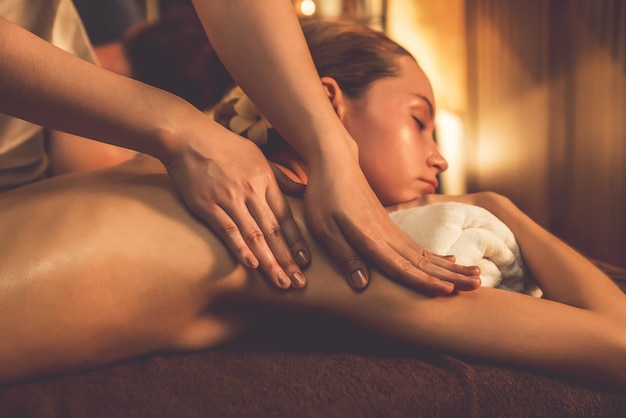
56,21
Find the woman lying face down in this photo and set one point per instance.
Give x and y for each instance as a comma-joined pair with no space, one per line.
110,265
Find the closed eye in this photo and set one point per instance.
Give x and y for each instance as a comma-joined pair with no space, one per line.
419,123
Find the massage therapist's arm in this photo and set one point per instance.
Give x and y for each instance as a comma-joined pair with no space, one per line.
223,178
263,47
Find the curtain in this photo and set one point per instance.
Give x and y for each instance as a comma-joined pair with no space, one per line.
547,114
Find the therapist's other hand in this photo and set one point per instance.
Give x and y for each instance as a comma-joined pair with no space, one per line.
344,214
229,184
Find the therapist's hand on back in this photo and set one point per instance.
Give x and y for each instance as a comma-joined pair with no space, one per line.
263,47
230,185
345,215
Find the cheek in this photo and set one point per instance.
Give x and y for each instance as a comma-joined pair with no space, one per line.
390,166
398,145
387,154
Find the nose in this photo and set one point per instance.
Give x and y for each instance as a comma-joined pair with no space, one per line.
435,159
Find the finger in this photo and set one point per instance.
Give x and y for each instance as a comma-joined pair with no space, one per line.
228,231
440,269
449,262
407,268
450,257
255,239
287,185
352,266
466,272
291,233
275,257
450,270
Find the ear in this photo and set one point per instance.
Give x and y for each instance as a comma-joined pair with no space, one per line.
336,96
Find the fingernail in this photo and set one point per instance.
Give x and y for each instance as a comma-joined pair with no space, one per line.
249,262
358,279
297,280
302,258
282,281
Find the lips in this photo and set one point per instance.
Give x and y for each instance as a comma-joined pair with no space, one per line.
432,182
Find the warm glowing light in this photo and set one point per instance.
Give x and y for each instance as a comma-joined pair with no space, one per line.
307,7
450,138
329,9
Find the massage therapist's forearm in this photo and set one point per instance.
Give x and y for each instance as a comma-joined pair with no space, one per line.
48,86
291,95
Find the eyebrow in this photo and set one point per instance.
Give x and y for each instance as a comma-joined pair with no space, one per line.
430,105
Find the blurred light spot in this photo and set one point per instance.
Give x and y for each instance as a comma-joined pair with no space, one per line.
307,7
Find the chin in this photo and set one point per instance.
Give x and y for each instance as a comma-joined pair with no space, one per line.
402,196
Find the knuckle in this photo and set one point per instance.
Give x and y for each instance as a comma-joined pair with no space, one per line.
350,261
242,250
274,232
423,263
403,264
229,228
254,237
227,194
284,215
249,187
289,265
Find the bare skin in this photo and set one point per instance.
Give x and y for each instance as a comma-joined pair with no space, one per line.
121,268
350,221
263,46
245,205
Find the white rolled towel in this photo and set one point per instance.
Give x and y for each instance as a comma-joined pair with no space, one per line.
474,236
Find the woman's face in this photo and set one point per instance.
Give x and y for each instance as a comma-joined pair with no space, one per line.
393,125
